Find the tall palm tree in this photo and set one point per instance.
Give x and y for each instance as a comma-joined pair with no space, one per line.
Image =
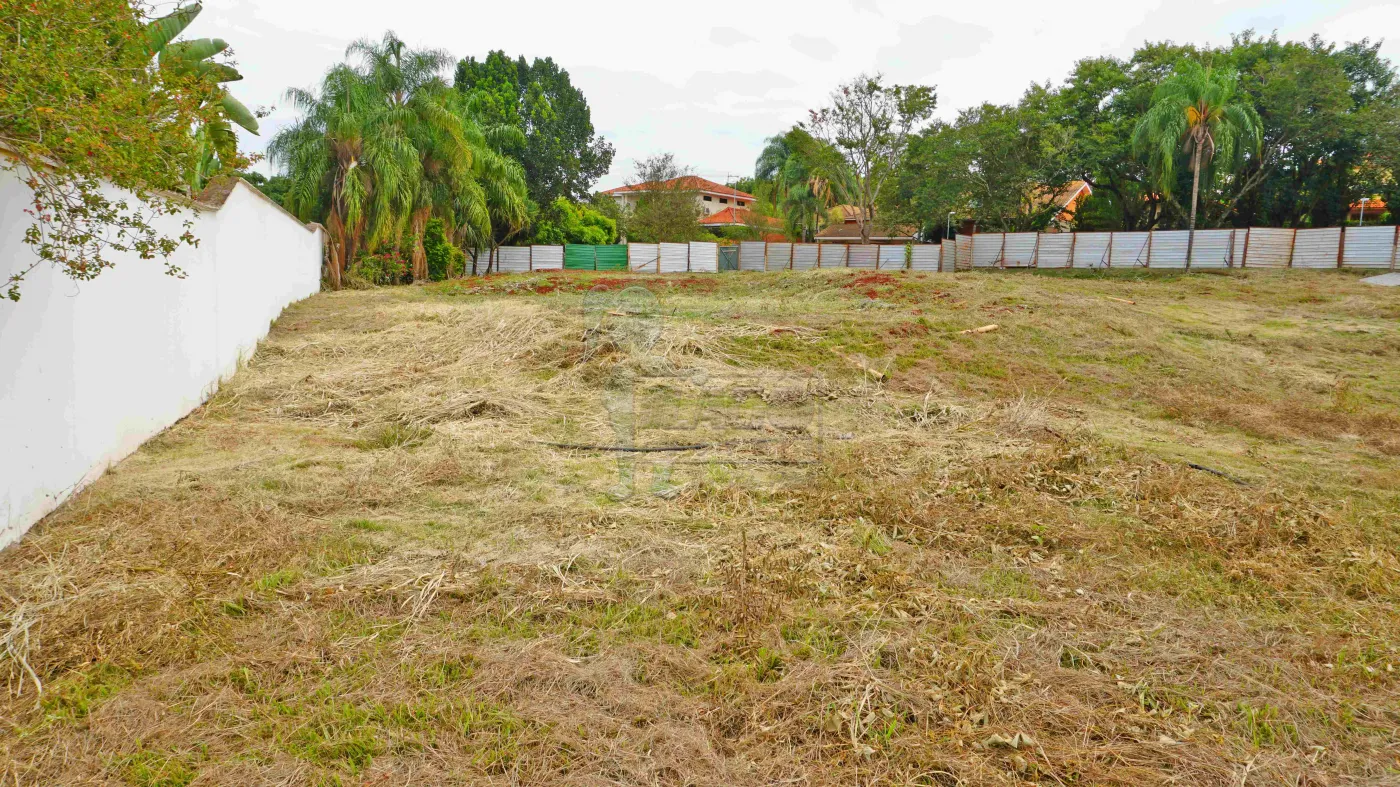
462,179
347,161
385,146
1202,114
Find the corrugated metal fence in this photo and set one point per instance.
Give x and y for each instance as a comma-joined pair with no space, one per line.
1255,247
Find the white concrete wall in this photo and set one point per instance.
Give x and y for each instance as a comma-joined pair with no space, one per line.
90,370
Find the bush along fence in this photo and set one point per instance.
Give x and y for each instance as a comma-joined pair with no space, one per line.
1254,247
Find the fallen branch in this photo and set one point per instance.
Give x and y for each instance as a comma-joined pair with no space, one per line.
1220,473
1122,300
983,329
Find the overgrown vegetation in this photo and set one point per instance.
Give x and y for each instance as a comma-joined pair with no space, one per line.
1328,126
85,103
361,562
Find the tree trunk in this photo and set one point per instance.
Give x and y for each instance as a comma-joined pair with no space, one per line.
420,257
335,264
1195,193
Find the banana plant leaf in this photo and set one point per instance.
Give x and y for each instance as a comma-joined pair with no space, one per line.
160,32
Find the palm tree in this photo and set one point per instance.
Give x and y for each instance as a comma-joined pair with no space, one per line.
1202,113
347,161
807,179
462,179
387,146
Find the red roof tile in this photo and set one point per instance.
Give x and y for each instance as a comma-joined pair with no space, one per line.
687,183
732,216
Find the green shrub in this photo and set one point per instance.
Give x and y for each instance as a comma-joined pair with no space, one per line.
385,267
438,251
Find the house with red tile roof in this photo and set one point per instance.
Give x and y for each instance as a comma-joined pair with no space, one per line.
847,229
711,197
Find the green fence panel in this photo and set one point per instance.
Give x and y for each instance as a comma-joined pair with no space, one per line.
729,258
611,258
578,257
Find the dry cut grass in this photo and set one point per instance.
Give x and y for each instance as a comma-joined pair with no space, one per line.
1109,543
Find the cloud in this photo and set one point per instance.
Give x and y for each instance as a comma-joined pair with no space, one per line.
728,36
925,46
814,47
868,6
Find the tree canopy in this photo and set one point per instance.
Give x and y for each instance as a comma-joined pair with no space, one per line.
561,153
1328,134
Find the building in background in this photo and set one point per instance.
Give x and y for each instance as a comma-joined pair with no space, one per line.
847,229
711,197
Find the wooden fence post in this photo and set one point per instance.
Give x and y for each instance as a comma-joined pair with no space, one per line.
765,256
1341,245
1110,249
1035,252
1292,244
1244,261
1073,240
1149,249
1394,245
1001,255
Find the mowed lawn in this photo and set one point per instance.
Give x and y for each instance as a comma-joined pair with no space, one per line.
1144,532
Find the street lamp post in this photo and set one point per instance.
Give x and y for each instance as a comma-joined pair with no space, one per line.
949,232
1361,221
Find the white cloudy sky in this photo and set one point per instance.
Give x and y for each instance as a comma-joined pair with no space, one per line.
709,81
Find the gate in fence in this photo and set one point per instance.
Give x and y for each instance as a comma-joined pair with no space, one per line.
1254,247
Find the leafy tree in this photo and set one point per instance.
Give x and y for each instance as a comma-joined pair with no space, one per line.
1002,166
1200,112
274,187
668,210
869,124
562,154
82,103
566,222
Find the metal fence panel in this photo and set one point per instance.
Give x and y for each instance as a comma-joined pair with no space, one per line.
643,257
1168,249
1237,247
892,258
833,255
804,256
986,250
1317,248
779,257
513,259
924,256
1129,249
1211,249
962,252
1054,251
751,255
1091,249
580,257
675,257
546,258
704,257
1369,247
1019,249
612,257
862,256
1267,247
